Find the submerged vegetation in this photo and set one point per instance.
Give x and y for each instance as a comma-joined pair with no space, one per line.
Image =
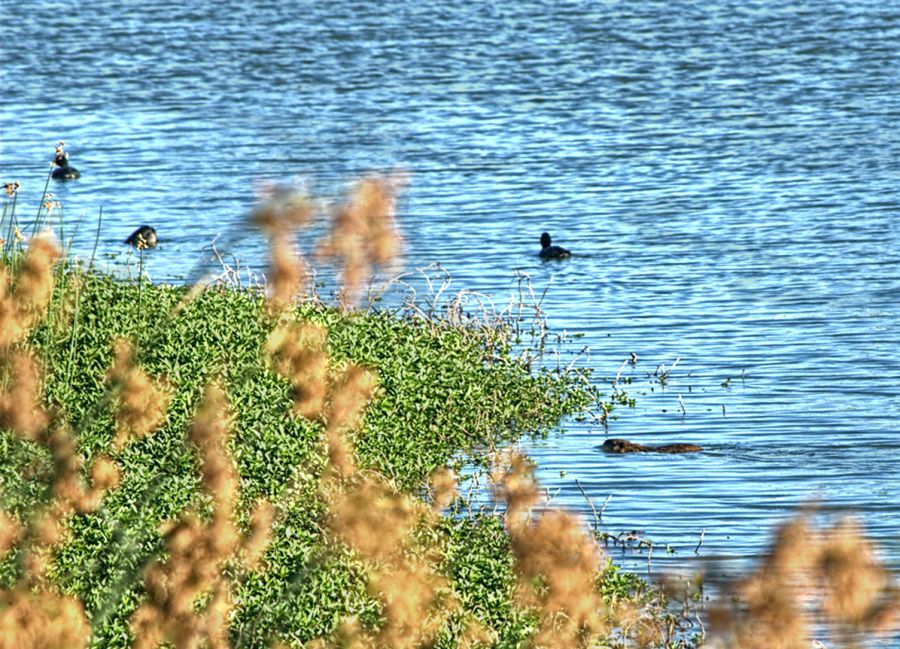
212,467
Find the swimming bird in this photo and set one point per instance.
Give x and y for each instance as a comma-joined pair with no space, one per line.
143,237
62,170
552,252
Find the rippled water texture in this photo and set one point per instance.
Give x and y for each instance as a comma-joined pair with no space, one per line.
725,173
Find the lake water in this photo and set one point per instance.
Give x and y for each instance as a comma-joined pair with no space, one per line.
725,173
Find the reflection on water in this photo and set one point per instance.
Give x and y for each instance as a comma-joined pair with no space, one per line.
724,174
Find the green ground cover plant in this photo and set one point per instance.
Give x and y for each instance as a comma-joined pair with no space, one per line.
440,390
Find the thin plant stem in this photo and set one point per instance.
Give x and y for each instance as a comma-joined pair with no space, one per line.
37,220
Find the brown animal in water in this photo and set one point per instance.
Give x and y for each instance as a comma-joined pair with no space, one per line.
624,446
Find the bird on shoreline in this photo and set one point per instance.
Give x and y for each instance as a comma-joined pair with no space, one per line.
552,252
143,237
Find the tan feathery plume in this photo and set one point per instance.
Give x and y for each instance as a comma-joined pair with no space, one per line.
350,395
20,395
852,576
557,564
141,403
197,549
34,282
10,532
513,477
297,352
443,488
556,560
23,306
41,620
364,231
279,215
372,518
408,591
256,542
210,433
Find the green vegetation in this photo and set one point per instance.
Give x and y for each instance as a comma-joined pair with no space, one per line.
441,390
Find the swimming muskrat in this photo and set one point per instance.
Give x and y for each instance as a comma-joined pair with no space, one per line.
624,446
61,169
552,252
143,237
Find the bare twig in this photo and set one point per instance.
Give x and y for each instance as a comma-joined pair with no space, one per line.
591,504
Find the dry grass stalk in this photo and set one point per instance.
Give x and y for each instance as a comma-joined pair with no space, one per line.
21,308
443,488
364,232
854,581
70,495
350,394
141,403
24,305
10,532
297,352
20,395
31,615
556,561
279,216
41,620
513,477
22,413
833,568
372,518
197,549
257,540
410,591
377,521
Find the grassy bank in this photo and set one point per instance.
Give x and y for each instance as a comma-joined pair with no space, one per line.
441,390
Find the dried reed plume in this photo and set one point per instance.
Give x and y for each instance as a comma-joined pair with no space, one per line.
513,477
443,488
41,620
349,396
279,216
30,614
22,413
835,568
556,561
297,351
70,495
24,305
364,232
373,518
188,598
140,402
20,395
10,532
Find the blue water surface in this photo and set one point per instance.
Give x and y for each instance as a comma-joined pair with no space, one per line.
725,173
